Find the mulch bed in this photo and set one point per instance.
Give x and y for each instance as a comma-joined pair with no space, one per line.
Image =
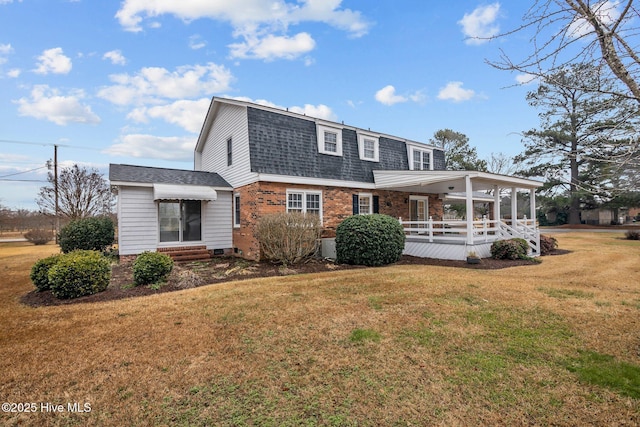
218,270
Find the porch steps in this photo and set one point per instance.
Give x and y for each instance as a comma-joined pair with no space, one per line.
187,253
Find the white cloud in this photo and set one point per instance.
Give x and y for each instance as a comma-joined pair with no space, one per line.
480,25
387,96
8,1
116,57
48,104
53,61
5,49
196,42
261,24
453,91
152,84
184,113
607,11
273,47
526,78
14,73
154,147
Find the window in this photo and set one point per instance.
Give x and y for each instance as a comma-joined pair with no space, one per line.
229,152
329,140
365,203
368,147
305,201
180,221
236,210
421,159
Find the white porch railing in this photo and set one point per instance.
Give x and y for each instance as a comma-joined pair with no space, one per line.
484,231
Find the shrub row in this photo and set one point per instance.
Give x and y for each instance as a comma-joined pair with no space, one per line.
289,237
71,275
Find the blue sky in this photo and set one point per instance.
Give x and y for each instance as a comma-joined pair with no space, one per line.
130,81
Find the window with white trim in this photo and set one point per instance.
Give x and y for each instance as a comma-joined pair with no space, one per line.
368,147
420,159
365,203
329,140
305,201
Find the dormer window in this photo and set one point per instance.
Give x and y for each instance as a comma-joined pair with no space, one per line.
368,147
420,159
329,140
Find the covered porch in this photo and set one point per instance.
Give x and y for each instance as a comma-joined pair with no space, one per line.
456,239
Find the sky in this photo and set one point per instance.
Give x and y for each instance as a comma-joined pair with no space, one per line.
130,81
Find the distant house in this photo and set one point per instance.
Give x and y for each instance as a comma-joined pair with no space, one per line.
251,160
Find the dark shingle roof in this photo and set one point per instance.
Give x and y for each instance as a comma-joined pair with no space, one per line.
150,175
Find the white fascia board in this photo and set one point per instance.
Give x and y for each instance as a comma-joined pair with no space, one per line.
286,179
131,184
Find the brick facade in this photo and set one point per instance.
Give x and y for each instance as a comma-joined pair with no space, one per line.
263,198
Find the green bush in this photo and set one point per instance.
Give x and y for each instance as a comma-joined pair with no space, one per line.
289,237
632,235
515,248
370,240
79,273
91,234
40,272
547,244
39,236
151,267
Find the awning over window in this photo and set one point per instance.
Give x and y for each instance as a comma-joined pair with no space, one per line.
183,192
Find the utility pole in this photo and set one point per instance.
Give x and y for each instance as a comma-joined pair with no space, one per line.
55,186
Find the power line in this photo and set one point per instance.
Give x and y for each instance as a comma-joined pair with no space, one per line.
49,144
19,173
23,180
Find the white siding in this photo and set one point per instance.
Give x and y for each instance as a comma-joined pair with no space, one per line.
218,230
137,220
230,122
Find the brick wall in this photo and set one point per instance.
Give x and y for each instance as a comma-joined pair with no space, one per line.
263,198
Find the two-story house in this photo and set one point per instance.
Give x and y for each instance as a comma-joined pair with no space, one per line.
252,160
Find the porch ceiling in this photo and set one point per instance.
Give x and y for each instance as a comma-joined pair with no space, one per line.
447,181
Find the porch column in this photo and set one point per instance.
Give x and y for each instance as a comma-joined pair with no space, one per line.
496,203
532,203
514,207
468,188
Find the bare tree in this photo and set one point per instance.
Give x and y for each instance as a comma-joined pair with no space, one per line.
81,193
599,32
501,164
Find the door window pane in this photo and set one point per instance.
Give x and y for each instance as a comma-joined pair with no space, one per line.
191,220
169,215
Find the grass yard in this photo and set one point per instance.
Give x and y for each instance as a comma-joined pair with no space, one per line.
556,343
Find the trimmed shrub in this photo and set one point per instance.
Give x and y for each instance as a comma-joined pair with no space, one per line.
151,267
515,248
547,244
39,236
370,240
632,235
40,272
91,234
79,273
289,237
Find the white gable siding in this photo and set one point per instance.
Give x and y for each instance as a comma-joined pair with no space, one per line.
137,220
230,122
217,228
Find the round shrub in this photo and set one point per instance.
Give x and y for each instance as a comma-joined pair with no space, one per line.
79,273
548,244
370,240
40,272
515,248
39,236
92,234
151,267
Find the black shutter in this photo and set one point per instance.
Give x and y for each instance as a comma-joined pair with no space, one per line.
356,204
376,204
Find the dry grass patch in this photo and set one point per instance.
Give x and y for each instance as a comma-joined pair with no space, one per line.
400,345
